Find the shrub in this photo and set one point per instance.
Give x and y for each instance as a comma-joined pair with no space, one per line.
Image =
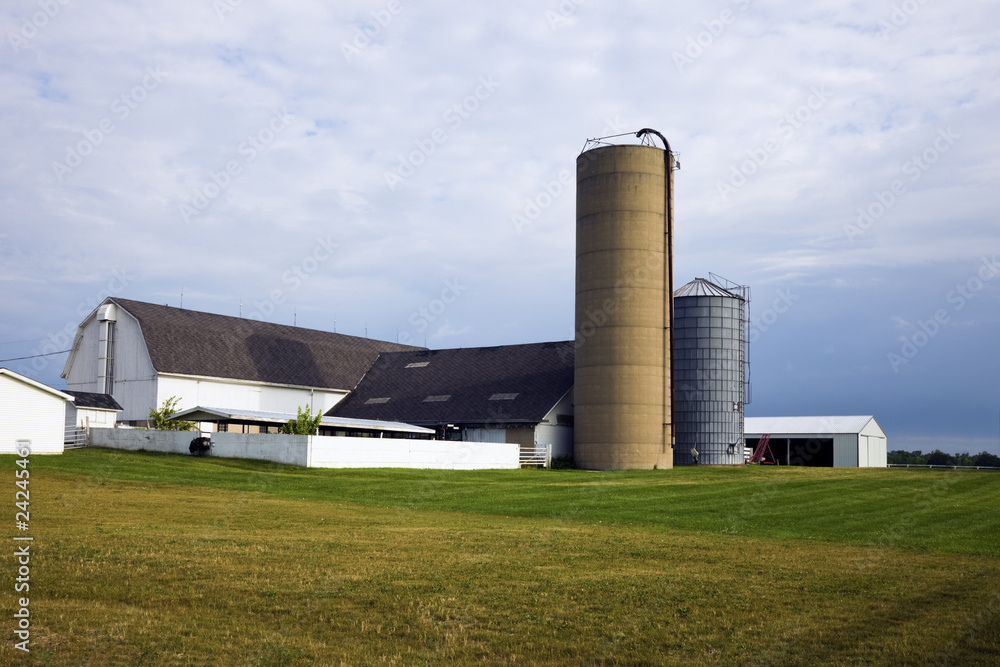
162,419
304,424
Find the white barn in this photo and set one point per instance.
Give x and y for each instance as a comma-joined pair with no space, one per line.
143,354
32,411
839,441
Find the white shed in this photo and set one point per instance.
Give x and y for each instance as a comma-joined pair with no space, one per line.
834,441
91,410
32,411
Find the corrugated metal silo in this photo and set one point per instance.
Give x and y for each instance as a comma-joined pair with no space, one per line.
709,372
623,308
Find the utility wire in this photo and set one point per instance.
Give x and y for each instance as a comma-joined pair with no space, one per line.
35,356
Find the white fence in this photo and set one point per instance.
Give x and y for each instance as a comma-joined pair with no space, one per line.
75,437
537,455
320,451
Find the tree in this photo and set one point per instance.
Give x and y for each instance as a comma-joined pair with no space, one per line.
162,419
304,424
987,459
939,458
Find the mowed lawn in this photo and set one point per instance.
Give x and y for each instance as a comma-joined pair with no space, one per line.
151,559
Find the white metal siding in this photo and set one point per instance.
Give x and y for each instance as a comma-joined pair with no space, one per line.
81,376
845,450
135,379
29,413
210,393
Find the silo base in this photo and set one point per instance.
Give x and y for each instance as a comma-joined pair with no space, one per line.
615,456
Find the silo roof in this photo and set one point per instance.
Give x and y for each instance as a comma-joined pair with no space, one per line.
702,287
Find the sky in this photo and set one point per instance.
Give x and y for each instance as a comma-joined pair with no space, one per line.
406,171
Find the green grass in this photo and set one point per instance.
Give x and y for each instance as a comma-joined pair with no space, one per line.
935,510
155,559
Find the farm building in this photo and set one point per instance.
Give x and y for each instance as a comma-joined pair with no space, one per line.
837,442
513,393
255,421
90,409
142,354
31,411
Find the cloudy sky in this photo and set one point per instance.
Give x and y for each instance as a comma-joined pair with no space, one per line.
406,169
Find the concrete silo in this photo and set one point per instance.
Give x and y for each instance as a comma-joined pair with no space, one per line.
624,266
709,372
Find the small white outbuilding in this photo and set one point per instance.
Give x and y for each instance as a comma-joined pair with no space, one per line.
31,411
854,441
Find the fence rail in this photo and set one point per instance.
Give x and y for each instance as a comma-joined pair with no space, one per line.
538,456
928,465
75,437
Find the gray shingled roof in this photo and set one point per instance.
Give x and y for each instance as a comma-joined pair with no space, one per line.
87,399
190,342
507,384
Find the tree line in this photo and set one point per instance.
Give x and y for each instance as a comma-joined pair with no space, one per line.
939,458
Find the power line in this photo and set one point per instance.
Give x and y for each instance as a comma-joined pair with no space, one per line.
12,342
35,356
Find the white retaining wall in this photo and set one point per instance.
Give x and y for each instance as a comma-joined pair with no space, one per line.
320,451
333,452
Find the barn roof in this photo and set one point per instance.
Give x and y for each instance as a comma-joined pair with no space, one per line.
86,399
806,425
506,384
189,342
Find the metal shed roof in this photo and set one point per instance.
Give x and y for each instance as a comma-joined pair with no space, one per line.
702,287
206,414
792,425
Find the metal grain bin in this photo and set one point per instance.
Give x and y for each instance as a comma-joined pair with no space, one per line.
709,372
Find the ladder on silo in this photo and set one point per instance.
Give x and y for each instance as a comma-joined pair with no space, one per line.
763,445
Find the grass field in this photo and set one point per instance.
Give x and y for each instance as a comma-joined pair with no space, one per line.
151,559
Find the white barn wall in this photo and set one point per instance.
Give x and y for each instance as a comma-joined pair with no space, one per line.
83,417
30,413
236,395
845,449
558,436
135,378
